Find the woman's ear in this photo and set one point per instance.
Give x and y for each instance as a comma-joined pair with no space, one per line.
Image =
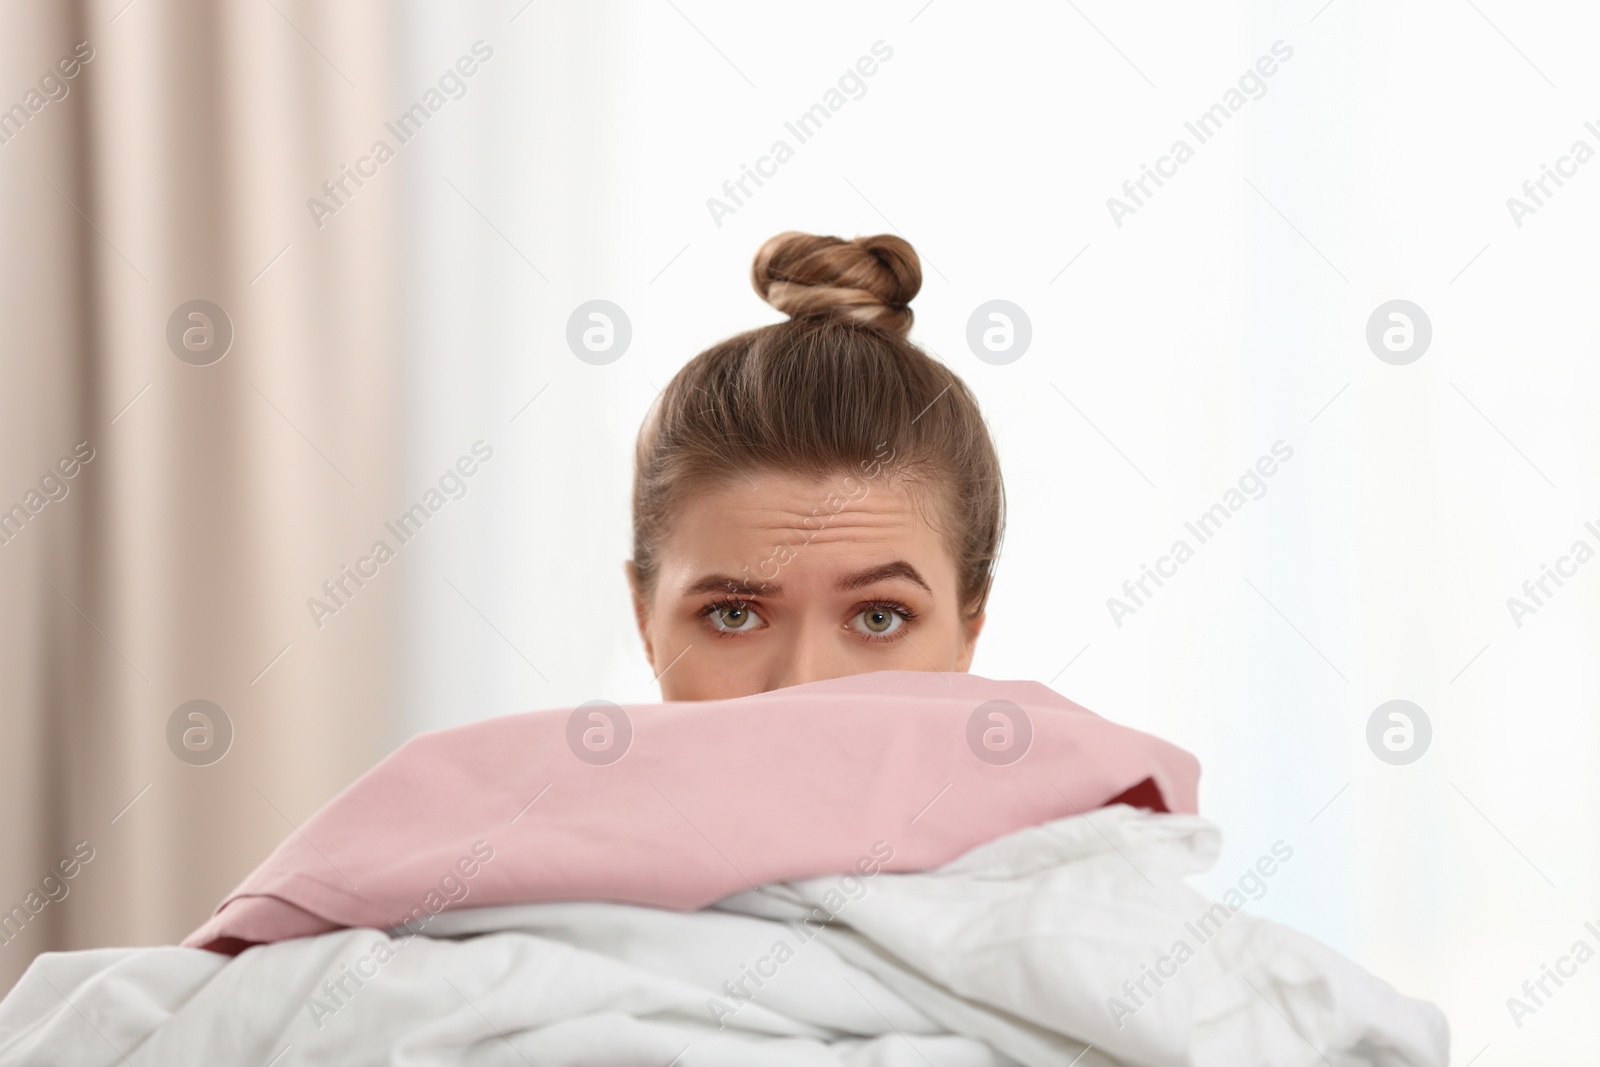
969,639
641,614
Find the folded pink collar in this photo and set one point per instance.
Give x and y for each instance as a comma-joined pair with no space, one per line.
706,798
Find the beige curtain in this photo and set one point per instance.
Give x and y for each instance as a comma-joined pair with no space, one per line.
207,500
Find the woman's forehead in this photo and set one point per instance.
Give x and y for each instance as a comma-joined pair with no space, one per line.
766,500
802,528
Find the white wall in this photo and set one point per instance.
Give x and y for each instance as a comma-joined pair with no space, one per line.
1227,314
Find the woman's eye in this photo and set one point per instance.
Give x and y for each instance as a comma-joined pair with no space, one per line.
879,620
733,618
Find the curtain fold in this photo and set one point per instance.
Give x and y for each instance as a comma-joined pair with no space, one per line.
215,484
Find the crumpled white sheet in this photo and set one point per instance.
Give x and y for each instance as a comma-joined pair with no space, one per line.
1009,955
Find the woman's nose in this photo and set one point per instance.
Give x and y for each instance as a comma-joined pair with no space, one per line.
811,655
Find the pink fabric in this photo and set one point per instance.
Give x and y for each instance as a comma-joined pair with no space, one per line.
710,797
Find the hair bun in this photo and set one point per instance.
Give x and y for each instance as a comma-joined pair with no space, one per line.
869,280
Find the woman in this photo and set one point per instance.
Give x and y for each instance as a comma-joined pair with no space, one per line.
818,497
820,875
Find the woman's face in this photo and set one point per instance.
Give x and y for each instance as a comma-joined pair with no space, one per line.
781,579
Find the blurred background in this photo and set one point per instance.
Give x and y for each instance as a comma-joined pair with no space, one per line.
270,269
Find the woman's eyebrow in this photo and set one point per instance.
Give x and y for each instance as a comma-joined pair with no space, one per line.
721,583
881,573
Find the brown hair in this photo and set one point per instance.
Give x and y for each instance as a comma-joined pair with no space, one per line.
835,389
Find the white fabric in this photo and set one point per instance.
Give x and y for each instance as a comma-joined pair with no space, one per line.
1008,955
